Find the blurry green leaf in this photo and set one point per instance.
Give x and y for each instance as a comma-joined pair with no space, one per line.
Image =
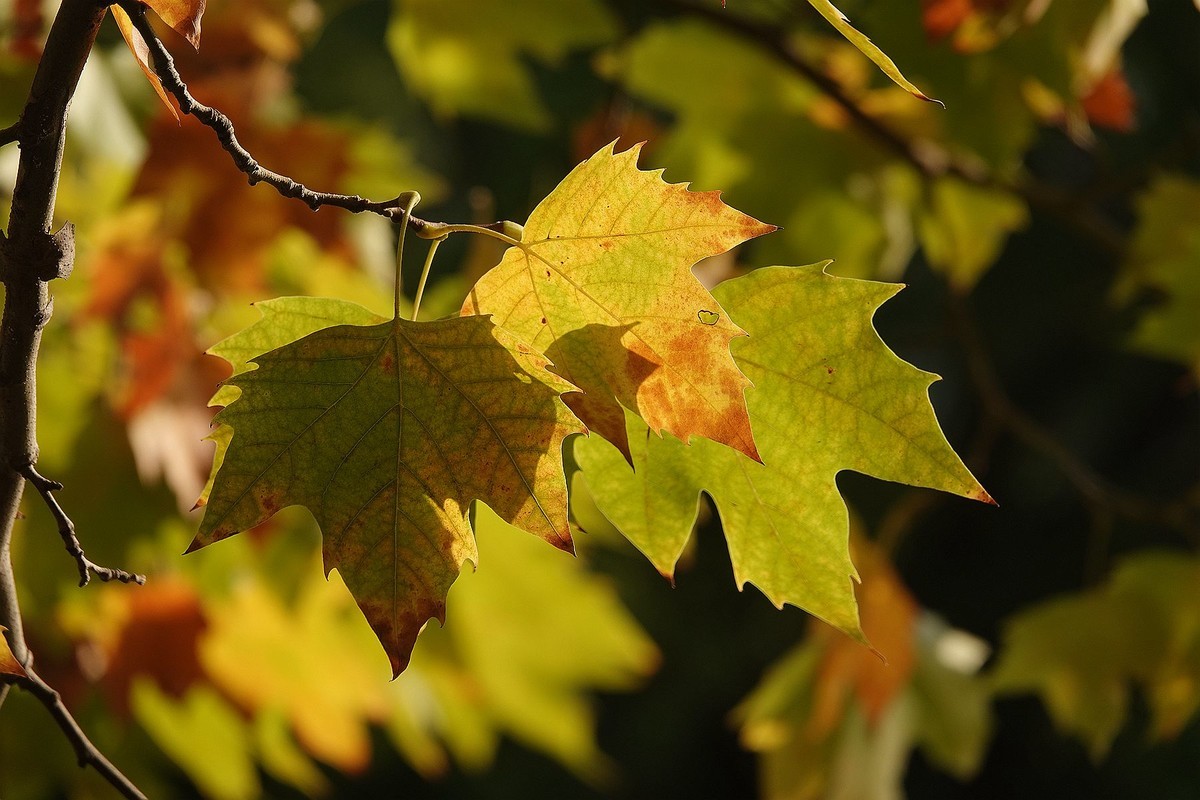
601,281
387,433
536,630
828,395
468,56
204,735
282,758
1165,259
838,20
964,228
1081,653
271,659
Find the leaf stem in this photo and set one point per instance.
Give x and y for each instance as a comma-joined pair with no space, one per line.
436,230
433,246
406,202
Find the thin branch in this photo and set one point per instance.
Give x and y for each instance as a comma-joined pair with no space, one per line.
66,529
10,134
85,752
929,160
222,126
1104,499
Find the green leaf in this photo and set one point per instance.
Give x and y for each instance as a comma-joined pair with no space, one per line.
469,56
838,20
601,282
387,433
964,228
1164,259
204,735
525,603
829,395
1082,653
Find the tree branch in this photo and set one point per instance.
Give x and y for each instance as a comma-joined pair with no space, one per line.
222,126
929,160
1103,499
30,256
85,751
10,134
66,529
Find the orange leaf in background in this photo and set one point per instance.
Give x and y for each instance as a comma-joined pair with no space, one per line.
159,638
601,282
1110,103
942,17
889,616
28,28
227,225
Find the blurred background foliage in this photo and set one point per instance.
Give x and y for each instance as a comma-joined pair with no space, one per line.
1047,223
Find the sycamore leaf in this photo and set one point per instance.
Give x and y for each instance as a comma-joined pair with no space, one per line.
838,20
141,52
829,395
601,283
182,15
8,662
184,18
387,433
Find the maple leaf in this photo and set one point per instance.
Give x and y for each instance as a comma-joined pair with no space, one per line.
387,433
601,283
829,395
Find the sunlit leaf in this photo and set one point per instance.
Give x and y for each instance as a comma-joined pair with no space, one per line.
387,433
141,52
601,282
828,396
182,15
471,56
838,20
964,228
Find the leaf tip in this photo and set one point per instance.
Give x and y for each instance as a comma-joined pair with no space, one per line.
983,496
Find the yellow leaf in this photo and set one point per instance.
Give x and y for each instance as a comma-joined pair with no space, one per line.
600,281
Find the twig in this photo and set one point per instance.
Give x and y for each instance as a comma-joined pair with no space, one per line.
222,126
31,259
10,134
66,529
85,751
929,160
